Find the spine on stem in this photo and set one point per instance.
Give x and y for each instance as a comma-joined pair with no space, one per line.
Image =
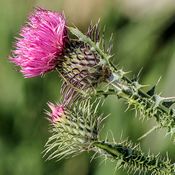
147,104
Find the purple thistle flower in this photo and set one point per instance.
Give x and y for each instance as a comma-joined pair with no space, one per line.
57,111
41,44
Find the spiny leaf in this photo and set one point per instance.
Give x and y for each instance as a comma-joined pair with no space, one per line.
132,158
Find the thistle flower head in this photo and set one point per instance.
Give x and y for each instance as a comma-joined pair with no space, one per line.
57,111
73,133
41,43
83,68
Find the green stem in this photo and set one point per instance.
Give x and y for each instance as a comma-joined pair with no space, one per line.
133,158
142,102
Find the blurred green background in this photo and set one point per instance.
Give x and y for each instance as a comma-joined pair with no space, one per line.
144,37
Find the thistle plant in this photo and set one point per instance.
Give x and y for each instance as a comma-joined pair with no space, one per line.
83,62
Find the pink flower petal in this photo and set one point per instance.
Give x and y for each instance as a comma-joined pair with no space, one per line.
41,43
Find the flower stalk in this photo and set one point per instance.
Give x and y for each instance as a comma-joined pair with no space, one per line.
148,106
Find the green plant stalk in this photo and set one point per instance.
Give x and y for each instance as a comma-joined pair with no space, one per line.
134,159
143,103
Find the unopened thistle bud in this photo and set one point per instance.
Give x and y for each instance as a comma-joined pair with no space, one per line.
57,112
73,130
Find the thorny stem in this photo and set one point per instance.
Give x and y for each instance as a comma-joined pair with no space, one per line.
142,101
134,158
143,94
